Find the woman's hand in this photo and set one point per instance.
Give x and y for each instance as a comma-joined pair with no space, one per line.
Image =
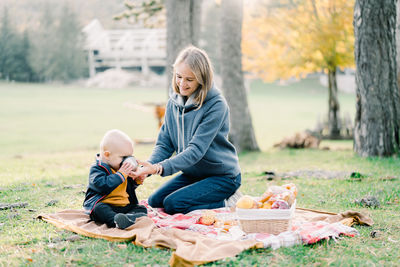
145,168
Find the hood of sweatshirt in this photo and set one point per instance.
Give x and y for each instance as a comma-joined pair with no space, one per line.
179,102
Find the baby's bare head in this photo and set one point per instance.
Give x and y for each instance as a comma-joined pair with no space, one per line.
116,142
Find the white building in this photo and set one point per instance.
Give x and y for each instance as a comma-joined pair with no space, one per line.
131,49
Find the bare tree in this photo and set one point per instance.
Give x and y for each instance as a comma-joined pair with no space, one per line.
183,27
183,22
377,122
398,42
242,133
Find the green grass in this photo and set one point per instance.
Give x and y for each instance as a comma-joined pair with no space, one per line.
49,135
44,118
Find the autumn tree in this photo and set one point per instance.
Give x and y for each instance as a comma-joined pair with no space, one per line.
377,121
14,52
43,47
7,42
57,51
241,133
284,39
70,61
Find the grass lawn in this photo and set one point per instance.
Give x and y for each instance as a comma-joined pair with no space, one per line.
49,135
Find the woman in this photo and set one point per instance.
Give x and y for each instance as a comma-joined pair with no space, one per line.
196,128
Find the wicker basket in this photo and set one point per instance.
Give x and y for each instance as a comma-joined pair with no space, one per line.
272,221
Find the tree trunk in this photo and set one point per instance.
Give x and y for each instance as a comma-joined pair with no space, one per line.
183,28
377,122
398,43
334,118
242,133
195,15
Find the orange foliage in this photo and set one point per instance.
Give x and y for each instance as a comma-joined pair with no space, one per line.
297,39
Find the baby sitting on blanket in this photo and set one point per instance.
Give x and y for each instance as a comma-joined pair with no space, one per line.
110,196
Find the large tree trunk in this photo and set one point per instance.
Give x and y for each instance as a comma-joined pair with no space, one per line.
334,123
242,133
398,43
183,28
195,14
377,122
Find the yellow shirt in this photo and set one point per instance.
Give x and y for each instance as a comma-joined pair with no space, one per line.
118,197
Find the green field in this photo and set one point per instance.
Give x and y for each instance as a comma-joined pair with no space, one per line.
49,118
49,135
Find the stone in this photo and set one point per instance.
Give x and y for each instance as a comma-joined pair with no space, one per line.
52,202
5,206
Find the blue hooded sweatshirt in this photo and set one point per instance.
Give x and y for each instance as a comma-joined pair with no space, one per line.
199,138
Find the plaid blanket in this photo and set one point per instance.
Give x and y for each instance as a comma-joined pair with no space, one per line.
302,232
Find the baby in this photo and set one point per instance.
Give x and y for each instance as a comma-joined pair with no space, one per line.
110,196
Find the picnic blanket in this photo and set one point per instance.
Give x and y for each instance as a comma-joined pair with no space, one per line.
195,243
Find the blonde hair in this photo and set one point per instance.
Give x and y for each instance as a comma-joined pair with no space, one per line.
199,63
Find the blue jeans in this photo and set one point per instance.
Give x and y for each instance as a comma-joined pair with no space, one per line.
182,194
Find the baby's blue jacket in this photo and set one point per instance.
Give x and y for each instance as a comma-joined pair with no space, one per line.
102,182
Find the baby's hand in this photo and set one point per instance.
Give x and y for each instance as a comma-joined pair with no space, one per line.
140,179
126,168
